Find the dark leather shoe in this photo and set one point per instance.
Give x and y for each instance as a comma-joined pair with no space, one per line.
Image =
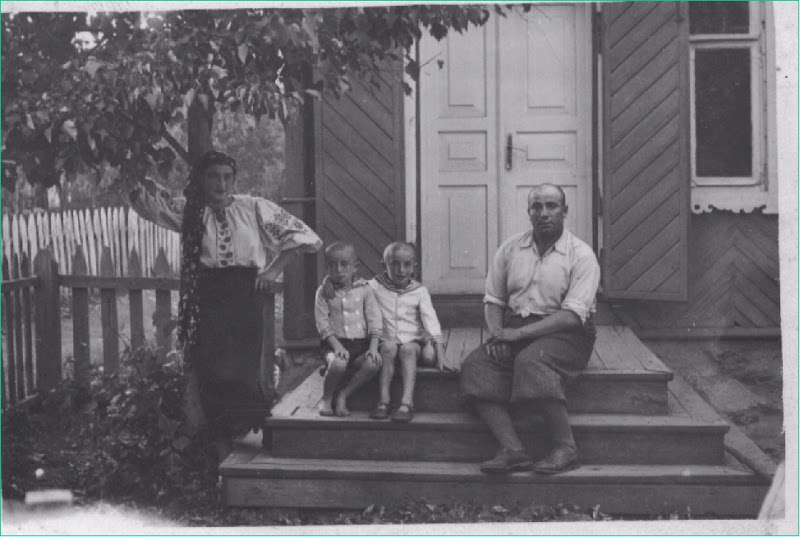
562,459
507,460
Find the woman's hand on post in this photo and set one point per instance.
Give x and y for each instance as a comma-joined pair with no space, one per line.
265,281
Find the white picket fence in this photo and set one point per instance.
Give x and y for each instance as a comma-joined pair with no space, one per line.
119,228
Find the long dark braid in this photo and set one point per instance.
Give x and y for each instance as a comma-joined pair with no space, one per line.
192,231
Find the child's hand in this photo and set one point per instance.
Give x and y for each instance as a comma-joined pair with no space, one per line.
375,356
440,356
328,290
341,352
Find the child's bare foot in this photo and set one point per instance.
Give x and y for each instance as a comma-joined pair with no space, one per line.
341,407
325,407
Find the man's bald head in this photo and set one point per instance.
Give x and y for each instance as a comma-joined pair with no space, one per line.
548,187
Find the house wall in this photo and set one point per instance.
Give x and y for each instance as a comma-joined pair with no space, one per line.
733,279
359,167
733,261
345,156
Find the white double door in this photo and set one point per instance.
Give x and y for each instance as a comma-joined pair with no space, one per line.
509,108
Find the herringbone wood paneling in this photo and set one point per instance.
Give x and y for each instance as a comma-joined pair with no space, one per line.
733,277
645,110
359,168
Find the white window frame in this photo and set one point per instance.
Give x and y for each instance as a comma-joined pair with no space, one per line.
754,41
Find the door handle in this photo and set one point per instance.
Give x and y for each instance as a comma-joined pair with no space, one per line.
509,149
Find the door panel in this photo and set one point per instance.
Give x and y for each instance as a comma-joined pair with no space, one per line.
546,109
524,75
458,155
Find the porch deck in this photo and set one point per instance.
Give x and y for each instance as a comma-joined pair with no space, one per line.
617,349
647,441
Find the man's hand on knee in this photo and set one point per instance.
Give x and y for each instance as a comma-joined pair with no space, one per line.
499,350
507,335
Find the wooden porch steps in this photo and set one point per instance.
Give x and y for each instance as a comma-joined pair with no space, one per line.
597,391
460,437
646,446
254,478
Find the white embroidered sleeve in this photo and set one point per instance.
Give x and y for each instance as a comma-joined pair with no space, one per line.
281,231
153,202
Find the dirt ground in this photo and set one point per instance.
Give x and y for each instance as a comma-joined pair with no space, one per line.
741,379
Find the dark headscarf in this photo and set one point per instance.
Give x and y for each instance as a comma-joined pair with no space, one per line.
192,231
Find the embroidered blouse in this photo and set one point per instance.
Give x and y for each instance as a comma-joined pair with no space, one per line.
407,316
352,313
565,277
237,235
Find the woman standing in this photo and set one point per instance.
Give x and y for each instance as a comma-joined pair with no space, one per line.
224,239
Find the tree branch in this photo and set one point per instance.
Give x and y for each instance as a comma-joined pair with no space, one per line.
175,144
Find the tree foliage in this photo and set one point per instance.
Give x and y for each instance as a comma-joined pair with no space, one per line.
82,89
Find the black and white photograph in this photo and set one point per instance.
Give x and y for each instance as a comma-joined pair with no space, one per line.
392,268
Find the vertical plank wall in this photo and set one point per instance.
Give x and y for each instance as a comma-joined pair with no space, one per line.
360,167
645,150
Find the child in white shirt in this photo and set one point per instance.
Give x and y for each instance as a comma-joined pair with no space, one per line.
411,331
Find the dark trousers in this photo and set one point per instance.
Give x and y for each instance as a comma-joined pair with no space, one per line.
536,369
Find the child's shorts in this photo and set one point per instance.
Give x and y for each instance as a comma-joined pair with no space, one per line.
356,347
419,342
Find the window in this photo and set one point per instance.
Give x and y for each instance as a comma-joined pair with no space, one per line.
727,93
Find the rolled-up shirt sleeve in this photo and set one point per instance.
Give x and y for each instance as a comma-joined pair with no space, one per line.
372,312
583,284
153,202
322,316
430,321
496,289
281,231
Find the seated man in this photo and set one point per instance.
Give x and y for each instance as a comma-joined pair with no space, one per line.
540,293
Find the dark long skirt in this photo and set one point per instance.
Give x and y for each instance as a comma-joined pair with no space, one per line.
227,357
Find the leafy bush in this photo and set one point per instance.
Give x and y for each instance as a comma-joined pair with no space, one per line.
116,435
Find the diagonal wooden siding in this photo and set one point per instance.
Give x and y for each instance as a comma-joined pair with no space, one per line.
646,184
360,168
734,279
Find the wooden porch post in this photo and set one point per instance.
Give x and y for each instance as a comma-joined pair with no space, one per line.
268,343
48,322
300,281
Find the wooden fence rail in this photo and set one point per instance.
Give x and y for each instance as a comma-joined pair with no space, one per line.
31,307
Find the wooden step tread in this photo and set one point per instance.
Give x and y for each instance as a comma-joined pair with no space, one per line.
622,490
601,391
616,348
426,372
263,465
440,421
